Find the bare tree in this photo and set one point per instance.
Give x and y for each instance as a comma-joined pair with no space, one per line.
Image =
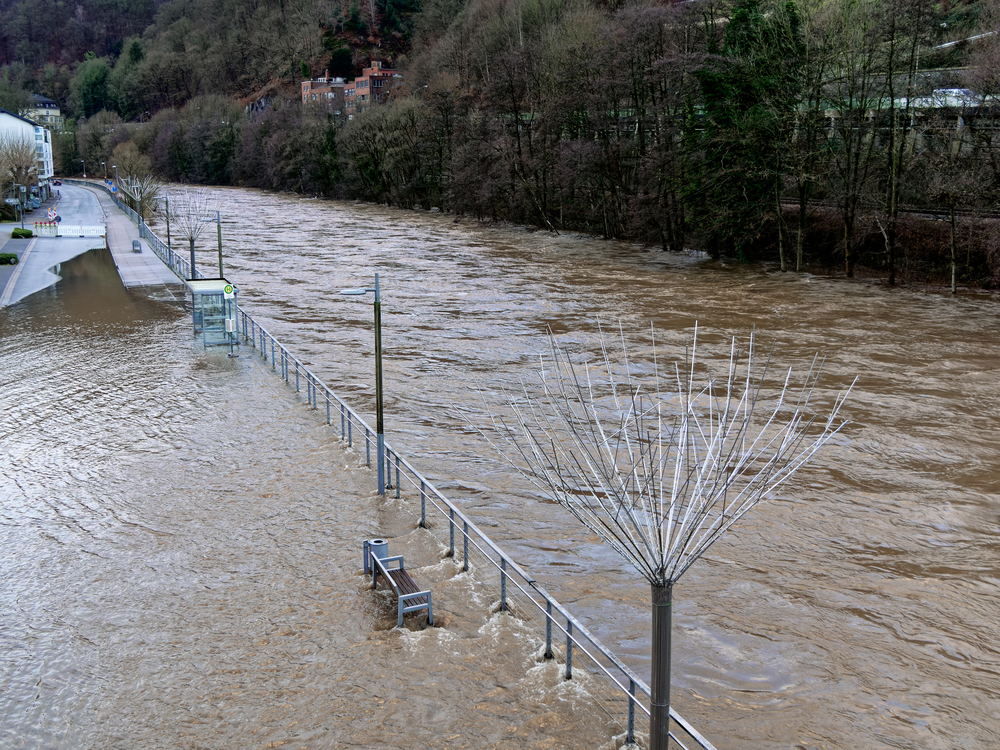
141,193
191,211
856,93
18,162
661,467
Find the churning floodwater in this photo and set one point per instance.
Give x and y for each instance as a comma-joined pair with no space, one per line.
181,536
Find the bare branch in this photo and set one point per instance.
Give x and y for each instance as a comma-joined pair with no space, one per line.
190,210
661,472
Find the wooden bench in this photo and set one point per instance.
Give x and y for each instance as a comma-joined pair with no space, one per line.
409,597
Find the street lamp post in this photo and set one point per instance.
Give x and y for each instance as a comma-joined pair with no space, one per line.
379,430
105,171
84,168
218,225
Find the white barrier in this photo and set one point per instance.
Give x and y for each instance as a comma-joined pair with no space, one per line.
52,229
82,231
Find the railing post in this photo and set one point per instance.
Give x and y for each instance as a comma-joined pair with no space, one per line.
343,430
548,628
451,532
297,376
465,546
397,475
272,352
630,737
388,469
503,584
349,438
423,506
368,449
569,650
328,407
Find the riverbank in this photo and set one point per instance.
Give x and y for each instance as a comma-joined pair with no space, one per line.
923,260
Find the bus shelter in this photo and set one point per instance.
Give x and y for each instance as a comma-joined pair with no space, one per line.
214,311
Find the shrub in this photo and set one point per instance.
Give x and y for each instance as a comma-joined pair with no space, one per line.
21,233
8,259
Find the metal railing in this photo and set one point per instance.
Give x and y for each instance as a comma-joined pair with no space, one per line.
622,695
617,689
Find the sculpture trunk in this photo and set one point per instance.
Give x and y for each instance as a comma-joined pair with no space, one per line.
659,685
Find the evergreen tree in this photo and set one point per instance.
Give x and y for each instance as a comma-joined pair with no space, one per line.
750,89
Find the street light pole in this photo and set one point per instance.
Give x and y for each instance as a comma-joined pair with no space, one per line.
105,171
84,168
218,224
379,427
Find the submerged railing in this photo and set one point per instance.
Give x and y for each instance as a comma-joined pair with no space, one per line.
622,695
616,688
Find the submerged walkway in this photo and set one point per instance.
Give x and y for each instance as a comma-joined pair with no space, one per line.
40,257
143,269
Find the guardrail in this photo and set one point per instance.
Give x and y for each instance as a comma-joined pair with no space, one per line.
617,690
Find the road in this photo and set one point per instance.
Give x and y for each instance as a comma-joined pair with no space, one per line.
39,257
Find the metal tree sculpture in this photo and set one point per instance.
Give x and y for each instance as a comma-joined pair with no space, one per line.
190,210
142,193
661,467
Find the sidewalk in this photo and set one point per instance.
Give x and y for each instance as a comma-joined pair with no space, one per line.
135,269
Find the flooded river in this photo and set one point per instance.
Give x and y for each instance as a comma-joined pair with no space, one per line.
181,537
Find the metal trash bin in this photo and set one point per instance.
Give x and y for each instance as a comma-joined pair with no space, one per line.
136,246
374,548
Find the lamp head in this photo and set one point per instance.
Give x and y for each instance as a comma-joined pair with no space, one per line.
354,291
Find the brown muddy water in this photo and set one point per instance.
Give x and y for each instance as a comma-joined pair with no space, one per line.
181,536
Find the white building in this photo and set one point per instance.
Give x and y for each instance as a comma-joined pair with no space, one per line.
21,128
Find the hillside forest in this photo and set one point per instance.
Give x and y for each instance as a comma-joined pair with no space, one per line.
856,135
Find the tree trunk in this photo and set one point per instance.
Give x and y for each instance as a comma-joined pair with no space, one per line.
781,234
800,239
951,211
848,254
890,241
659,686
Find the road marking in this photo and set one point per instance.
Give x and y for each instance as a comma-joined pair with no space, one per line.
12,281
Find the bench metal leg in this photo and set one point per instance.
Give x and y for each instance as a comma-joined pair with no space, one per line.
416,607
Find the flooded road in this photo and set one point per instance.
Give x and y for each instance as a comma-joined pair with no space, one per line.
155,496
